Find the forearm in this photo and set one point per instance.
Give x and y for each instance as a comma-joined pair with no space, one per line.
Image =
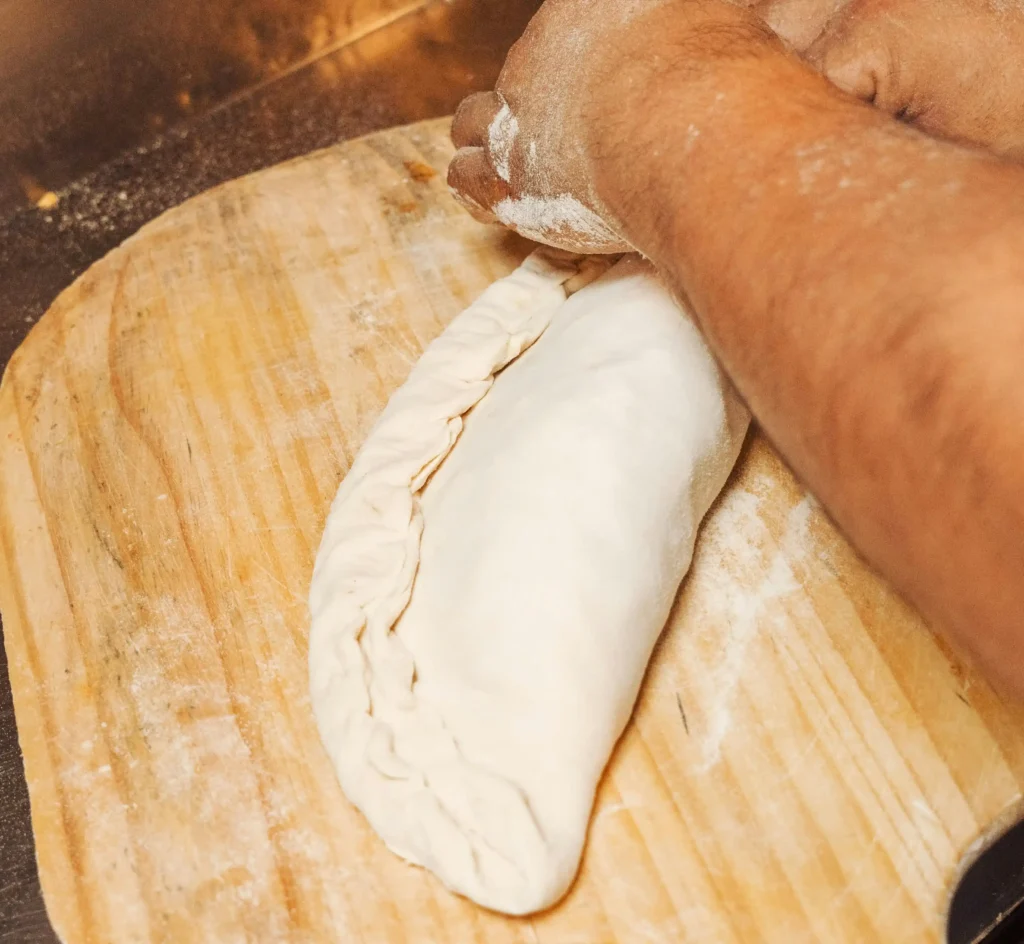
864,286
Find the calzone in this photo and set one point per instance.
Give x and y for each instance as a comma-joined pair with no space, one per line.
499,562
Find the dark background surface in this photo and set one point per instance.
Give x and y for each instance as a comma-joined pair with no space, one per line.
112,111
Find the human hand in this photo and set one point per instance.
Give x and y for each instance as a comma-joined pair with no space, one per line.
951,67
528,150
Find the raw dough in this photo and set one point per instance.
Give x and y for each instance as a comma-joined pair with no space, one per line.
472,722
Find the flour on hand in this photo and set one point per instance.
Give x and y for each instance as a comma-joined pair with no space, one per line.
557,221
501,138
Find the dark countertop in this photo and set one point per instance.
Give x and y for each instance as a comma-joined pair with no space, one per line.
123,113
122,110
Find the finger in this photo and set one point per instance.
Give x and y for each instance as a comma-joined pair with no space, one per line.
474,183
856,62
472,118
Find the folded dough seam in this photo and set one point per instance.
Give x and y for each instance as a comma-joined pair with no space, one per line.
363,578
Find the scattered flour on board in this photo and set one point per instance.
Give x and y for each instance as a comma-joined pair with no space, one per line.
735,532
501,138
545,219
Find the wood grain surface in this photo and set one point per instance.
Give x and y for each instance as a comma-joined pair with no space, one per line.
807,762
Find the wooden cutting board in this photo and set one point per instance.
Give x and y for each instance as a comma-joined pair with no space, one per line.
807,762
